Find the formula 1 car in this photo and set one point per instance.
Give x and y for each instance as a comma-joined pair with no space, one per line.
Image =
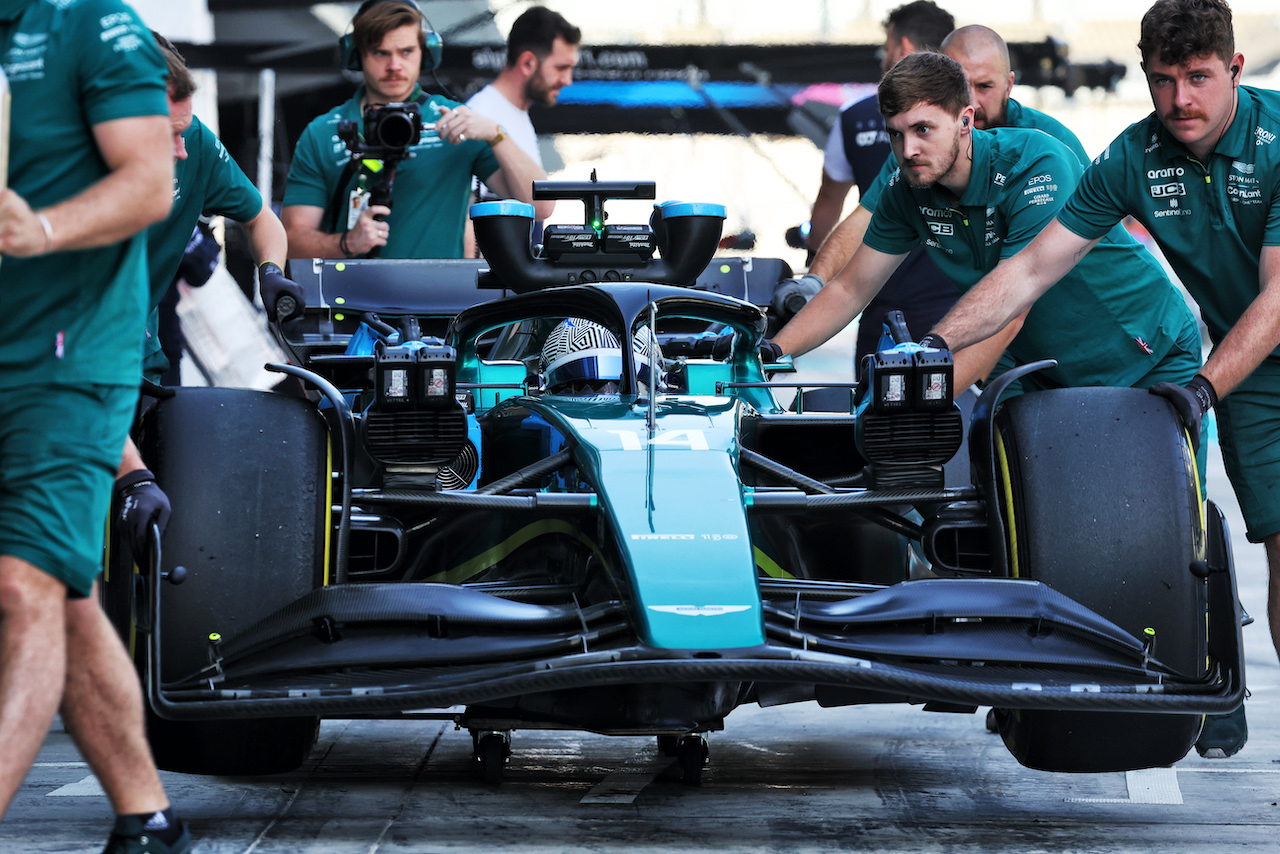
555,508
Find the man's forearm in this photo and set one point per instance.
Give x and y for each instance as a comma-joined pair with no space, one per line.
976,361
826,314
313,243
518,172
840,245
303,236
827,208
268,238
1253,337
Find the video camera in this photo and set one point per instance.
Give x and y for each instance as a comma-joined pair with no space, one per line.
390,130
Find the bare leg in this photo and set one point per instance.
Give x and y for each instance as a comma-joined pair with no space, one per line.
102,711
32,662
1273,588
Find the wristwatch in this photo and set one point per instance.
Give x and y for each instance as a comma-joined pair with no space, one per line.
502,134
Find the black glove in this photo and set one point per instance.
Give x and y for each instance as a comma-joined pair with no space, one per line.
934,341
139,502
275,287
1191,402
769,352
791,295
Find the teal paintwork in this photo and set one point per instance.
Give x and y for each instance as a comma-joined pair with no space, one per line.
676,507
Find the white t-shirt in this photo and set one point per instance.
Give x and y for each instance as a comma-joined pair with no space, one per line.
515,121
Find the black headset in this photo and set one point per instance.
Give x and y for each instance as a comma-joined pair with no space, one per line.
350,56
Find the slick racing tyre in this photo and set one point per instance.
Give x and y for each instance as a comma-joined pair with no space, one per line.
248,476
1101,502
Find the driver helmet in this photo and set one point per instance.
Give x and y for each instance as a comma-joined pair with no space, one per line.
581,357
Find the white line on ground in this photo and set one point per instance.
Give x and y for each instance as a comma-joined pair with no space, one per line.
622,786
1148,786
89,787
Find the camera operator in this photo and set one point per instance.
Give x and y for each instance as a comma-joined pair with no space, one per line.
331,210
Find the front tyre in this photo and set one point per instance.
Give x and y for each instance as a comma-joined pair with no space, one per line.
248,474
1101,500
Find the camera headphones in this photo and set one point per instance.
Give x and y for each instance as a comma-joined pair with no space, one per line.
350,56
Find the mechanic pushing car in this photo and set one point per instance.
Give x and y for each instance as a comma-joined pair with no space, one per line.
855,153
1202,175
340,206
91,169
984,56
973,197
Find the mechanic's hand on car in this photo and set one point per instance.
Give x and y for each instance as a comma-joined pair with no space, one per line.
1191,402
769,352
279,294
139,502
368,233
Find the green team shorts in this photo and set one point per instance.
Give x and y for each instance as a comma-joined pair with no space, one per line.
1249,433
59,452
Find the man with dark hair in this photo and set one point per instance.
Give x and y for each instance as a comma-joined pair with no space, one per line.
542,51
974,197
326,211
1202,175
90,169
855,152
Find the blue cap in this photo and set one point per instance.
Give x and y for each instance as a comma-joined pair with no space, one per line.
676,209
506,207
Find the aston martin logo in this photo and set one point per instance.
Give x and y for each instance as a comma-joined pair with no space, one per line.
699,610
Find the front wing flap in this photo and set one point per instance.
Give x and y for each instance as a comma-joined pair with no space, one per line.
382,648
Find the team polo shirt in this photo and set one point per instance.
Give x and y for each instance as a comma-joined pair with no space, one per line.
73,317
431,192
1016,116
1211,219
207,181
1108,322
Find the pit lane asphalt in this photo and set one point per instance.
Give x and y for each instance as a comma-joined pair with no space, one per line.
791,778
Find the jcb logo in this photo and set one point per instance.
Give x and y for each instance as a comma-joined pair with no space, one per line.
1165,191
942,229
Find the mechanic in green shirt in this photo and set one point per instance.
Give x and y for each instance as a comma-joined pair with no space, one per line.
326,210
1202,174
206,181
89,169
975,197
984,56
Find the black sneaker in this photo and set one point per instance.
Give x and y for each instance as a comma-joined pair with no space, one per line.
148,843
1223,735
